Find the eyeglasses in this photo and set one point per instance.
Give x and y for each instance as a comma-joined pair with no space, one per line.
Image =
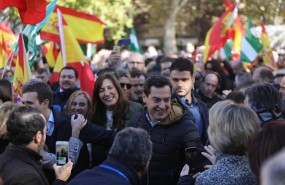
127,85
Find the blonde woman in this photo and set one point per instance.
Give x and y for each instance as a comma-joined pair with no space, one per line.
231,128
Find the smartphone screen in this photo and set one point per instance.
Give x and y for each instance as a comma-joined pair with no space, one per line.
62,152
192,156
117,49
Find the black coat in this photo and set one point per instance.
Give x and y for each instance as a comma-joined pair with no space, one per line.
100,175
20,165
204,114
169,143
91,133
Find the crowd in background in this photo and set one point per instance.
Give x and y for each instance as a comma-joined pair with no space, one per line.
231,113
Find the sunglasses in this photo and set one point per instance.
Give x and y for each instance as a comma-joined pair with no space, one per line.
127,85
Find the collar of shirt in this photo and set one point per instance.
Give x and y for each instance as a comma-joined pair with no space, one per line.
50,124
152,124
186,102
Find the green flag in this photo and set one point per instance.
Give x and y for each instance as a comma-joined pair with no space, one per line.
250,45
31,32
135,47
226,52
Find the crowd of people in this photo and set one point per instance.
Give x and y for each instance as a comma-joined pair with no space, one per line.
143,113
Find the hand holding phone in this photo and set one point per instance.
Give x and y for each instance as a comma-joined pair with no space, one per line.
62,152
193,159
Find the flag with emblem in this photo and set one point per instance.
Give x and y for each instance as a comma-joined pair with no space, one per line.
22,70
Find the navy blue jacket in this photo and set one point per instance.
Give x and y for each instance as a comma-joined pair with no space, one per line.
60,98
91,133
122,173
169,143
204,114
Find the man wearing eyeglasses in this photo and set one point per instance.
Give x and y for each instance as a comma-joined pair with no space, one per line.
136,61
67,85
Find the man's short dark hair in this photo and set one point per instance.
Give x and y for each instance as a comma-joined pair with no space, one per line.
42,89
69,68
135,73
133,145
23,124
265,73
108,70
166,59
157,81
41,71
264,96
182,64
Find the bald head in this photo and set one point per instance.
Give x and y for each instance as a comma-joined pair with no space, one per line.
136,61
209,85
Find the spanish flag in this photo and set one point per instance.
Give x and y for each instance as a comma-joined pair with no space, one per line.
72,55
22,69
31,11
266,49
7,39
217,35
85,27
50,51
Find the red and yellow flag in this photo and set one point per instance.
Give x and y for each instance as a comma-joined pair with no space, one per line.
31,11
236,31
22,69
7,39
75,58
266,49
85,27
51,52
217,35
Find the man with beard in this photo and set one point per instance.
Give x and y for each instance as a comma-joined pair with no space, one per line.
67,85
171,130
19,164
182,78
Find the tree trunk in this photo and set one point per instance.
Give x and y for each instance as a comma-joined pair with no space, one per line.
170,46
173,7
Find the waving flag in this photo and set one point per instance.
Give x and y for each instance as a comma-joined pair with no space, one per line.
217,35
235,31
251,45
266,50
50,51
31,11
85,27
134,46
22,69
7,39
72,55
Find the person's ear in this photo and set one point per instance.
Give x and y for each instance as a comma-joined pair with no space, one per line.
46,103
38,137
144,97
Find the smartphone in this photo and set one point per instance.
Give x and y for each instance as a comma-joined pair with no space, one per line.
117,49
62,152
193,159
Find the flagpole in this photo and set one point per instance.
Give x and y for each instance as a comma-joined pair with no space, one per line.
61,34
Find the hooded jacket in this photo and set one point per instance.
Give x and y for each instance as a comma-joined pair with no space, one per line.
170,138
